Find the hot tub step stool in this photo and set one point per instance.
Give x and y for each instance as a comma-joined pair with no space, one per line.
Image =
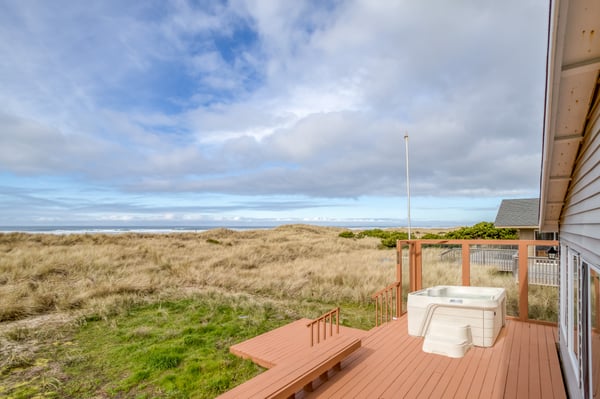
448,340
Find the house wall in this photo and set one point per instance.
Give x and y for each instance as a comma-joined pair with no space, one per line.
526,234
580,219
580,256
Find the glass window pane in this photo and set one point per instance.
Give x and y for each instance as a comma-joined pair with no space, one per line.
575,301
595,332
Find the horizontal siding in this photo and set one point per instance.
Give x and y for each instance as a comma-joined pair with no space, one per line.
583,244
586,168
580,220
589,216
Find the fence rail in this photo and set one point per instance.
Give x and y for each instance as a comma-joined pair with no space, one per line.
540,271
502,259
327,320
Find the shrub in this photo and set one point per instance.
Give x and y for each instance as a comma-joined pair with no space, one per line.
347,234
432,236
482,230
388,238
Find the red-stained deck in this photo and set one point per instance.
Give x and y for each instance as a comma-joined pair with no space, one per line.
273,347
523,363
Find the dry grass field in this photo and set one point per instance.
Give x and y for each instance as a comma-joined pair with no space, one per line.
41,274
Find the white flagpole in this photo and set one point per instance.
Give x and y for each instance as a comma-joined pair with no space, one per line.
407,182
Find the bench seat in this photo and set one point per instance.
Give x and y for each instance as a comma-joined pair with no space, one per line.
297,371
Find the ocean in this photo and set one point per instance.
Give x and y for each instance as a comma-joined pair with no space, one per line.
181,229
119,229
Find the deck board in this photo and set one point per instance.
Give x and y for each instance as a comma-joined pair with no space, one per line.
362,376
522,363
545,389
482,373
435,378
555,372
535,389
523,371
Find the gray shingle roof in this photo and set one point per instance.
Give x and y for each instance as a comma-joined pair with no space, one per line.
518,213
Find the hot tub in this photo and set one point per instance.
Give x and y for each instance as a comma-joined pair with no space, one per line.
482,310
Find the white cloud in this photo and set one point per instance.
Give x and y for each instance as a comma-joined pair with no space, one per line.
276,98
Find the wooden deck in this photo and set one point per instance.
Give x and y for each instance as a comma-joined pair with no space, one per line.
275,346
523,363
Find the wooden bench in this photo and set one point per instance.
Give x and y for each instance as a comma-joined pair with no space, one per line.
298,371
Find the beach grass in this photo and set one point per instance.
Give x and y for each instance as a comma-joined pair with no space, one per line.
48,273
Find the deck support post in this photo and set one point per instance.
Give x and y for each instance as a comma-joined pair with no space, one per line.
523,282
411,267
418,266
466,264
399,279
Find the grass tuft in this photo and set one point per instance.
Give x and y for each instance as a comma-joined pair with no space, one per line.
164,359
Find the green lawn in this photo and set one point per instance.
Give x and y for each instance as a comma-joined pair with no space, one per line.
173,349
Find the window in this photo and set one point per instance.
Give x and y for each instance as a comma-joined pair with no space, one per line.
572,307
595,332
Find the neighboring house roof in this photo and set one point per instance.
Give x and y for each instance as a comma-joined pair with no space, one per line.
518,213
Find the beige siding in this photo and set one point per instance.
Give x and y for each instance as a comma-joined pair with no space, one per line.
580,220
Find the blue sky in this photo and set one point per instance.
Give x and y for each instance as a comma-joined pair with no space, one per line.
196,112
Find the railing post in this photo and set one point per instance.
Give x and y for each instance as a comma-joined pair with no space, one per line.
318,332
387,308
418,266
399,279
412,285
376,311
398,261
523,282
466,264
399,300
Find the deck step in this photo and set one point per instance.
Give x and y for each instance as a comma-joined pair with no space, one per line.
448,340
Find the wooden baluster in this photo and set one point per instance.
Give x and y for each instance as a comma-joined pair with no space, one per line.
386,305
318,333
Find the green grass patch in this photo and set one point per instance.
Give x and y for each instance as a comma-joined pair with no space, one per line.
171,349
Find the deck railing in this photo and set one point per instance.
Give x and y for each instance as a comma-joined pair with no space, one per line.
542,270
387,303
415,266
502,259
385,312
327,321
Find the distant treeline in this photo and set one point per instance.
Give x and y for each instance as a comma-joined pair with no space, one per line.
482,230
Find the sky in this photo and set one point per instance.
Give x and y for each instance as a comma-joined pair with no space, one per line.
253,111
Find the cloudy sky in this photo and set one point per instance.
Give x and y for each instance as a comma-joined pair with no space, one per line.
191,112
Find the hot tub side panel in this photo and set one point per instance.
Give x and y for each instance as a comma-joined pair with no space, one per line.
485,318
